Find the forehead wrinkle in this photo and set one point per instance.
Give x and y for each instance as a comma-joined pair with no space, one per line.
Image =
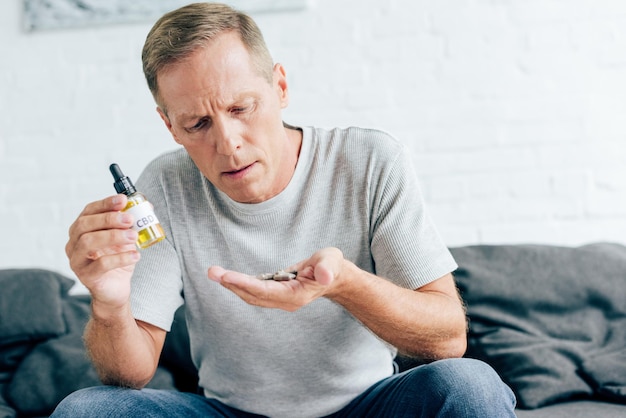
219,82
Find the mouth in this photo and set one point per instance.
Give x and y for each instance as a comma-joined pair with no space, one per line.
239,172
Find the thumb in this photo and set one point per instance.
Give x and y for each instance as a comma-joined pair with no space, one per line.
323,274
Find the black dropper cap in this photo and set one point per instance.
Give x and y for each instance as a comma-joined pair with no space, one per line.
122,183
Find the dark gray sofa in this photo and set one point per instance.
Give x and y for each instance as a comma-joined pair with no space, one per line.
551,320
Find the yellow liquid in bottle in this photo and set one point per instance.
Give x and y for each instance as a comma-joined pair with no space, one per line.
147,235
150,235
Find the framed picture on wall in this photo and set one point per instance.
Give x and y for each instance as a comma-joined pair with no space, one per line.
55,14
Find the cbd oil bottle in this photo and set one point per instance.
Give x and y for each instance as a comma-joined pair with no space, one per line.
145,221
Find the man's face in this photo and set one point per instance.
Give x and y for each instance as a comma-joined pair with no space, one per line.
228,118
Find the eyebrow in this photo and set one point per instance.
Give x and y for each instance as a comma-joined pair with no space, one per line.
185,118
188,118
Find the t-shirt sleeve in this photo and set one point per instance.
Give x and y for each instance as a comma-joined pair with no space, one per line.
156,285
406,245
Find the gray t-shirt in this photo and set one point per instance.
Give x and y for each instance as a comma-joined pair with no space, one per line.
354,189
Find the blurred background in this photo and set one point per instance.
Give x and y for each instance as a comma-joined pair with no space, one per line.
513,111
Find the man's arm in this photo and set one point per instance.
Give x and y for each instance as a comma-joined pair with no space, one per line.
125,352
103,254
428,323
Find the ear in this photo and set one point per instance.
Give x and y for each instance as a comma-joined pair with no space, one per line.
167,122
280,82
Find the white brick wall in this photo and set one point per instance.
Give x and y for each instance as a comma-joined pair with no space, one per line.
515,112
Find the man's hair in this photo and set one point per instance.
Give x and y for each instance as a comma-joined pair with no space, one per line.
179,33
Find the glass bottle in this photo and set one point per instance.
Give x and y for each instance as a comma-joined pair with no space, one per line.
145,222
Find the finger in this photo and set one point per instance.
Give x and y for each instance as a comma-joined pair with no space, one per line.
315,269
296,267
233,278
110,242
327,265
101,222
107,263
215,273
323,274
86,224
246,283
110,262
249,288
112,203
265,294
94,245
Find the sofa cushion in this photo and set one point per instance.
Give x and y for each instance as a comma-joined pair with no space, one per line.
607,374
32,299
549,319
575,409
53,368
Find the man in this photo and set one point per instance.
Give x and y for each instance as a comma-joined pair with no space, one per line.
249,194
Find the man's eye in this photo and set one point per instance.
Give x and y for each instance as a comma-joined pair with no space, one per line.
201,124
248,107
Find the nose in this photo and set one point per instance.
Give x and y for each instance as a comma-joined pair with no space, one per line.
227,140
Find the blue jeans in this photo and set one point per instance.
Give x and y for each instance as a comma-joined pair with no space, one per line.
453,388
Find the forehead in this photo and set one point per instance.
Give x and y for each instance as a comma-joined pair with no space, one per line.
221,72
